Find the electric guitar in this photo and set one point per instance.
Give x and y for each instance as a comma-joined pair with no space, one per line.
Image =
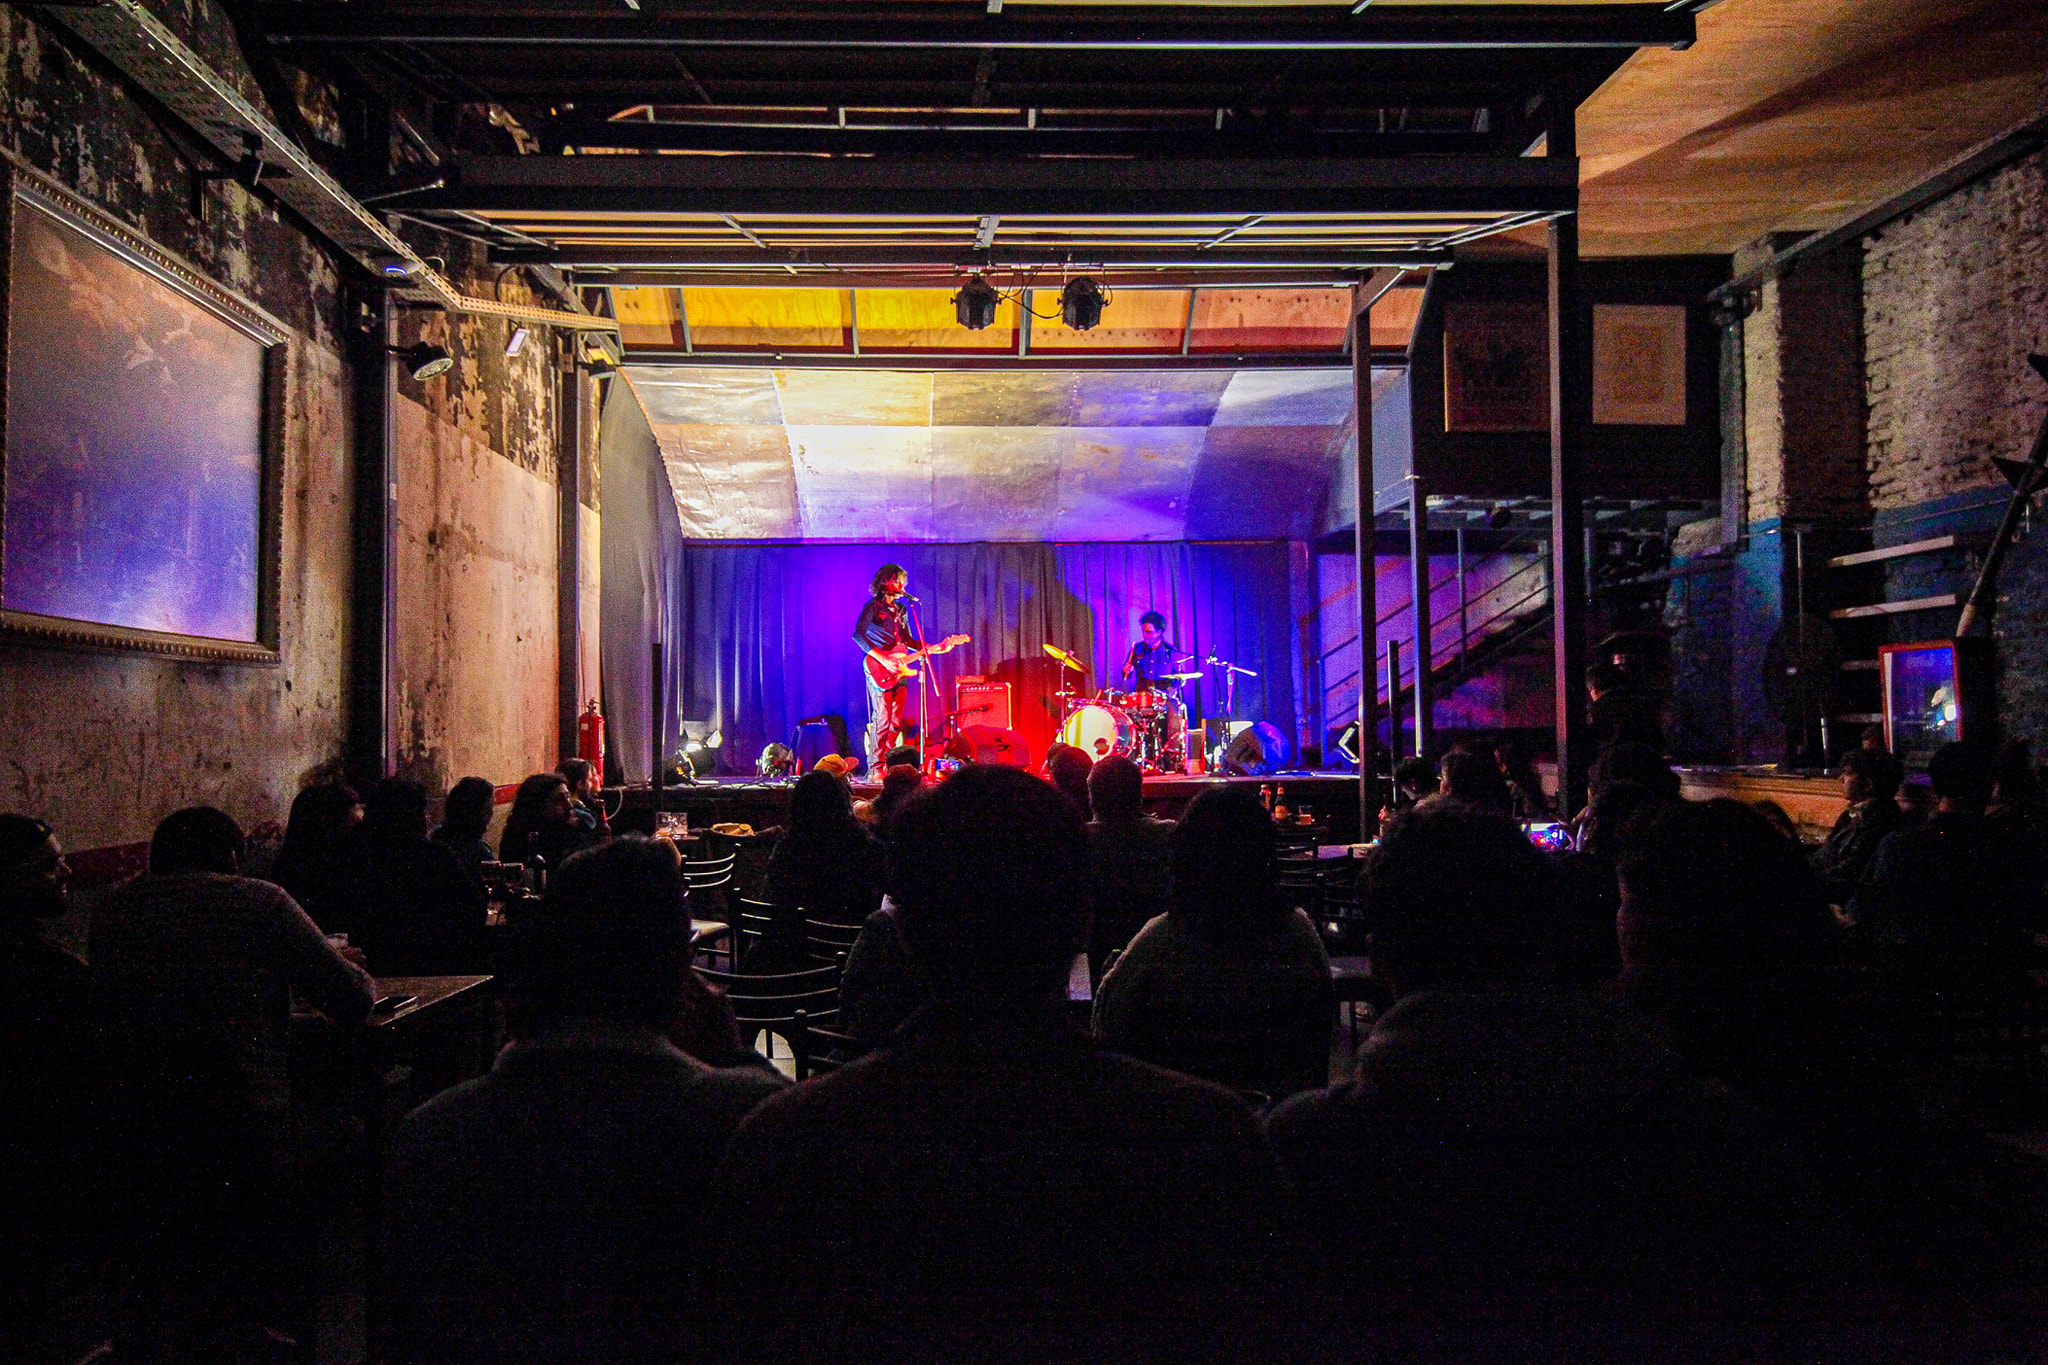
889,667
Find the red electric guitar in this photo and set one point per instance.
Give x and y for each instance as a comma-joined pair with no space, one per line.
889,667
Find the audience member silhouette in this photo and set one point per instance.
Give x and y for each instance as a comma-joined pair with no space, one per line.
542,823
2018,809
1067,768
901,779
413,910
825,864
310,859
1128,858
1415,779
1613,822
548,1211
1870,782
45,1069
1230,984
1525,784
1946,903
193,972
465,816
993,1187
587,803
1474,778
1520,1171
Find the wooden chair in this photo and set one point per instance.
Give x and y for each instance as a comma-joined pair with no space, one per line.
772,1003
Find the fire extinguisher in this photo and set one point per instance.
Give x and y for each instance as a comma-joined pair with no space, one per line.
590,738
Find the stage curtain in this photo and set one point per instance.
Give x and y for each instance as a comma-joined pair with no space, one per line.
641,564
765,631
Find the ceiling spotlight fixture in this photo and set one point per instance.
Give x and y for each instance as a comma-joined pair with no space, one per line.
975,304
1499,516
516,343
1081,304
424,359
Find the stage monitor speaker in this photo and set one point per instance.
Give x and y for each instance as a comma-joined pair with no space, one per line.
984,703
1257,750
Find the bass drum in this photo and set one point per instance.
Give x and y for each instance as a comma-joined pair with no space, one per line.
1098,730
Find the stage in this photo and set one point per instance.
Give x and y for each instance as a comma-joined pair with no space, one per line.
1331,797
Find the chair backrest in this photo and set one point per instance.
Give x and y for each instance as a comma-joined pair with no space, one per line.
709,874
771,1001
829,942
819,1050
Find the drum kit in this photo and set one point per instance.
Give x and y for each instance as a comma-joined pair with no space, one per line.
1149,727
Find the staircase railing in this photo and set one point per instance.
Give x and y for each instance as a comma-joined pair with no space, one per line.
1516,600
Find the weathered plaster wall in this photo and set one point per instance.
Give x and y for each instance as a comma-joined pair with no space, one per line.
477,633
104,744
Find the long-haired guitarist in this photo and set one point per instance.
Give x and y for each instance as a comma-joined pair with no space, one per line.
893,650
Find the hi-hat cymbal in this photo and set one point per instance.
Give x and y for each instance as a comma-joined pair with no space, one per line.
1066,660
1176,677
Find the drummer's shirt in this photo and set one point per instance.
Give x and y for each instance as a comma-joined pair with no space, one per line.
1150,664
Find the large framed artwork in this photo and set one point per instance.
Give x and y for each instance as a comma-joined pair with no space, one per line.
139,475
1639,364
1496,367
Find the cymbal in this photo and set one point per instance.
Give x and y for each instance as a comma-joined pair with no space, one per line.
1176,677
1066,660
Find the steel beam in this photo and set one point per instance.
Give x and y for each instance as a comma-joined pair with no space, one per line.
949,278
1279,143
1571,419
1330,262
858,27
373,598
1006,360
967,187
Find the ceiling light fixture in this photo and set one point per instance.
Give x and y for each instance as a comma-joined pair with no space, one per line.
423,359
975,304
516,343
1081,304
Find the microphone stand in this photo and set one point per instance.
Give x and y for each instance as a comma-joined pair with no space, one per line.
924,682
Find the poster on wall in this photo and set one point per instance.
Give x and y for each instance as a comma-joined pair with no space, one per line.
1496,367
1639,365
138,505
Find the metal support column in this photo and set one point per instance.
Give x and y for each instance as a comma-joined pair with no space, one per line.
373,590
570,416
1368,597
1464,603
1394,705
1418,579
1571,402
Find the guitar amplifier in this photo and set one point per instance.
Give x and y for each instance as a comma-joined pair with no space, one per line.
983,703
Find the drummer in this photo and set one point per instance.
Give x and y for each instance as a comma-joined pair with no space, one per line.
1149,665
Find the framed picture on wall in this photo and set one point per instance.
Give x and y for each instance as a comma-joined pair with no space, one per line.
139,474
1496,367
1639,365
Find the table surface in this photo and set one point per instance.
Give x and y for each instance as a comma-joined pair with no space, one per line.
428,991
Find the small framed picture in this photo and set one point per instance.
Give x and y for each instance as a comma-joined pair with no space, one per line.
1639,365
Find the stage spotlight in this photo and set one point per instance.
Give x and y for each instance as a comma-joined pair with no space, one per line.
975,304
423,359
1081,304
1499,516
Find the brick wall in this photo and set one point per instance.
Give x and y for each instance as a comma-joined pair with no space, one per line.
1955,296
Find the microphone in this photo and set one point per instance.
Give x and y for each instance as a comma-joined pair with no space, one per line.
906,597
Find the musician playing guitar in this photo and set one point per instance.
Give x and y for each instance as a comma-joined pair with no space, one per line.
893,652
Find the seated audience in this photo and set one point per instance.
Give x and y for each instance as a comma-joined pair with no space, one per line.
542,823
883,987
1414,780
1475,779
1870,781
412,908
45,1122
549,1211
993,1187
310,856
1525,784
1230,984
193,972
1952,897
1621,710
825,864
1067,768
586,804
1521,1172
1128,858
901,779
2018,809
465,816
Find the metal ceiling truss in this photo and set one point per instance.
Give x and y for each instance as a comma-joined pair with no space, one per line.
866,27
148,53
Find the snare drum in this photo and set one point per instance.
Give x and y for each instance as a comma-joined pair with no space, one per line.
1099,729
